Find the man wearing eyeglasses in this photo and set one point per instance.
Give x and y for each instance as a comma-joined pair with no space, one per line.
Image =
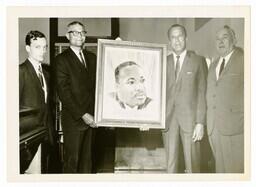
75,73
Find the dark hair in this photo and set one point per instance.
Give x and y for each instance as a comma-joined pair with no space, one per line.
121,66
177,25
75,23
33,35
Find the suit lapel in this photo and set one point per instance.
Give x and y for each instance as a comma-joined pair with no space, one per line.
183,67
35,79
33,74
171,69
215,63
229,64
87,61
46,77
170,73
74,58
212,70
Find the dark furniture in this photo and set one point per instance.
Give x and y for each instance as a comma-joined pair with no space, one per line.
31,136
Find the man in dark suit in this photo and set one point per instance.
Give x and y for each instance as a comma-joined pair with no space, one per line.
225,104
185,102
75,72
34,92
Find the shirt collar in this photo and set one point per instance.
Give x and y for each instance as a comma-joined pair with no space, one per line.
227,57
75,50
182,57
35,64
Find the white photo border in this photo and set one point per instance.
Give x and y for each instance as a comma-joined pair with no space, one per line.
12,99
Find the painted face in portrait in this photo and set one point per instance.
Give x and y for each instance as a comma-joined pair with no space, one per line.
130,86
225,42
37,49
76,35
177,39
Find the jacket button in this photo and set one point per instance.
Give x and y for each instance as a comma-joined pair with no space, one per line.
213,95
214,107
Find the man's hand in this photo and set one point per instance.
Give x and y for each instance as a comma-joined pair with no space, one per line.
198,132
89,120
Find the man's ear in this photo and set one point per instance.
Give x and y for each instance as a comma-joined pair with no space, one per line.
27,48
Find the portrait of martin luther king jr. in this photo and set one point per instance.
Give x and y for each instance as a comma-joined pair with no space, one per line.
130,87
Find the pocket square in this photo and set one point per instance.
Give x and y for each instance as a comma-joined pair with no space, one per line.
189,72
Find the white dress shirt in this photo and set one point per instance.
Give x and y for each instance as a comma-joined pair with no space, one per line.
36,66
181,59
77,54
220,61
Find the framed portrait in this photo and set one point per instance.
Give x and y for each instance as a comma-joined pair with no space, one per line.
131,83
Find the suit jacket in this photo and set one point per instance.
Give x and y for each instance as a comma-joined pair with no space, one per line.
31,93
75,88
225,96
186,96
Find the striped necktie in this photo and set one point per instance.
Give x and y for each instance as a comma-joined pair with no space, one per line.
40,76
177,67
82,59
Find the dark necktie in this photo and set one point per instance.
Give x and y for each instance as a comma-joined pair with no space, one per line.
177,68
82,59
40,76
222,66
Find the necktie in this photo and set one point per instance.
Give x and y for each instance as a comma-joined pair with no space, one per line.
222,66
40,76
82,59
177,68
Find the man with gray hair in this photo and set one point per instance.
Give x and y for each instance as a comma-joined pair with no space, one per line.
225,104
75,74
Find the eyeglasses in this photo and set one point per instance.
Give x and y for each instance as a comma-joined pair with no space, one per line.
77,33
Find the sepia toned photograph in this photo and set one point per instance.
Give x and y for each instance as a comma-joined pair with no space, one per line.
107,95
131,79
